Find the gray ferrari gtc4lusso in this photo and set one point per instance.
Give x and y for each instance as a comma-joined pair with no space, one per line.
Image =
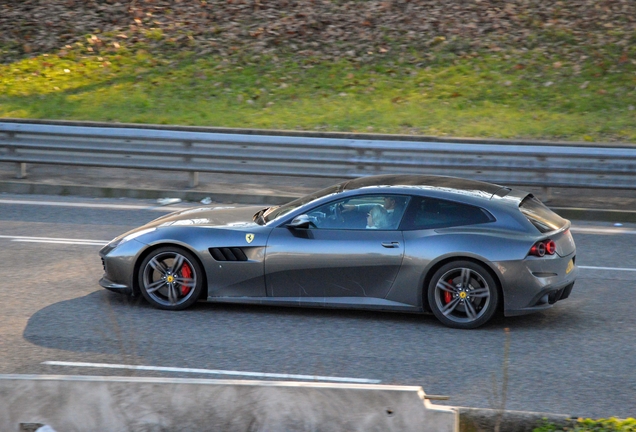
458,248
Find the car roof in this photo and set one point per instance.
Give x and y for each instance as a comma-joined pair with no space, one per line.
429,182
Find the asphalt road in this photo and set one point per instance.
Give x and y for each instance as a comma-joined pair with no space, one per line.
578,358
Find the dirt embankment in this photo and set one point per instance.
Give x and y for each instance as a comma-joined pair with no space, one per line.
325,29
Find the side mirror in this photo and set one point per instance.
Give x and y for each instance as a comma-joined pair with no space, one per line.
300,222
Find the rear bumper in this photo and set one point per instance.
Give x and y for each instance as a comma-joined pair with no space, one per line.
533,285
546,299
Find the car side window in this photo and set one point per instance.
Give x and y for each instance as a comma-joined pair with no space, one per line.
430,213
381,212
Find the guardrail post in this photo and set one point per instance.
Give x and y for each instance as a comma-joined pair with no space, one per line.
360,166
194,175
20,167
547,192
20,171
194,179
377,168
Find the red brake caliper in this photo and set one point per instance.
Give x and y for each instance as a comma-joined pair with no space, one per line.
448,296
186,273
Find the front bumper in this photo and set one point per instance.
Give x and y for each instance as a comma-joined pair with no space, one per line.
119,264
115,287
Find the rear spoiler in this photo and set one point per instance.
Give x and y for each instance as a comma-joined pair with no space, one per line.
513,196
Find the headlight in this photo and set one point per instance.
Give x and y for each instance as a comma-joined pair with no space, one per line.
123,239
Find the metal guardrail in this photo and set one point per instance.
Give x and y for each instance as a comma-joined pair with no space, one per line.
517,163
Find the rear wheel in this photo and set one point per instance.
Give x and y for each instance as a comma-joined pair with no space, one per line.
463,294
170,278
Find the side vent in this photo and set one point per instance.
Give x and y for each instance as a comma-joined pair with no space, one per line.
228,254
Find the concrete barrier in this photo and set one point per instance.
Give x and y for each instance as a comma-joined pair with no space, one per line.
82,403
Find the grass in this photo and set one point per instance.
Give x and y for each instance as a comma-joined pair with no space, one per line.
520,94
589,425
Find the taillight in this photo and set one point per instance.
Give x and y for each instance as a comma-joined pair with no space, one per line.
543,247
550,247
538,249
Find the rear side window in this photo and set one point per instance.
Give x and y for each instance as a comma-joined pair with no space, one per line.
430,213
544,219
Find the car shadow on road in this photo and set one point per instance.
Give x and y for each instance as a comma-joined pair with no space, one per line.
108,323
103,327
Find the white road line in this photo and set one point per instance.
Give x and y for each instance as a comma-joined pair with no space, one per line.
607,268
214,372
61,242
54,240
92,205
602,230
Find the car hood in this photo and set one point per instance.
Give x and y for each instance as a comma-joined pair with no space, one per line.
209,216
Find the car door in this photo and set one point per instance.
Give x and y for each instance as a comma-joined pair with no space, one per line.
340,255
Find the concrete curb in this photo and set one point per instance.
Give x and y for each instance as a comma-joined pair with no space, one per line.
486,420
70,403
26,187
117,403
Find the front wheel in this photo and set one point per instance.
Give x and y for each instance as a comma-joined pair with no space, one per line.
463,294
170,278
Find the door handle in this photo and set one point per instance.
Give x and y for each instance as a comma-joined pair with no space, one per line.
391,244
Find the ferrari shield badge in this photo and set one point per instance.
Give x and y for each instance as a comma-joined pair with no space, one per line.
249,238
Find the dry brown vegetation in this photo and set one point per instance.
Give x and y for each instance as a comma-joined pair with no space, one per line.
326,29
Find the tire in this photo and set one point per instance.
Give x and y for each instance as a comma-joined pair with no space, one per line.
170,278
463,294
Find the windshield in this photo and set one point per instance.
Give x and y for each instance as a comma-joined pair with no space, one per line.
544,219
276,212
